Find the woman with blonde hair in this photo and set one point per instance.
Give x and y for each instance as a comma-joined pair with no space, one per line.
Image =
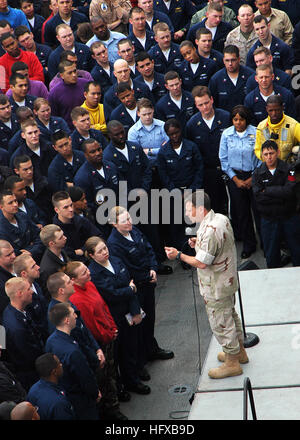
112,279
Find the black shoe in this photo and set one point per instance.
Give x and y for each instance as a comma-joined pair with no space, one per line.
124,396
139,388
245,255
144,375
284,260
115,415
163,269
161,354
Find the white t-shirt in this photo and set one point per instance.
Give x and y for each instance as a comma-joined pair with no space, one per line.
8,124
178,150
194,67
109,267
101,172
177,101
209,122
213,30
124,152
166,53
266,97
132,113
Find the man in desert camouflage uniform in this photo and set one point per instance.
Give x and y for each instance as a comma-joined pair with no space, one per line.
216,265
115,13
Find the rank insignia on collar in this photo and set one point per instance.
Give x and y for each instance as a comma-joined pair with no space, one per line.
219,122
115,155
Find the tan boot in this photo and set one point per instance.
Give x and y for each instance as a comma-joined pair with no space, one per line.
231,367
243,358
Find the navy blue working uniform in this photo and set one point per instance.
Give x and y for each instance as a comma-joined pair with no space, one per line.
255,102
4,300
121,114
40,162
35,214
38,310
138,47
36,29
50,26
208,141
163,65
281,78
43,53
180,12
276,202
296,42
111,99
24,236
219,39
92,182
166,108
77,233
182,171
158,88
51,400
121,299
61,172
227,95
84,59
77,139
78,379
205,70
136,171
7,133
217,57
24,344
55,123
29,101
159,17
139,258
102,77
291,7
283,55
82,335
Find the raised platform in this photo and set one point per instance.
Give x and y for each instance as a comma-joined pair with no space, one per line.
272,311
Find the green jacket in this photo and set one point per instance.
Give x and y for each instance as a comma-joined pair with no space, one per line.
229,16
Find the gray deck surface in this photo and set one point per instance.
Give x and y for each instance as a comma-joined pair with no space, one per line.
182,326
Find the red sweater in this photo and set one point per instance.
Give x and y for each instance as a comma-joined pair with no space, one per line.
35,68
94,312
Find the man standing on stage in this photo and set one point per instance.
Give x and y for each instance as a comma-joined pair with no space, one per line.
216,265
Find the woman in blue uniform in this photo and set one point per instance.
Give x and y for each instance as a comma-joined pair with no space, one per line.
238,161
112,280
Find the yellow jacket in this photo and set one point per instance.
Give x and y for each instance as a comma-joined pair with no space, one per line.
288,131
97,117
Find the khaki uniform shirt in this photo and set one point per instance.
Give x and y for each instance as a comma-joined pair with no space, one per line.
280,25
111,10
215,247
237,38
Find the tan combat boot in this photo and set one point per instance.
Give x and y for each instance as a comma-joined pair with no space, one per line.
231,367
243,358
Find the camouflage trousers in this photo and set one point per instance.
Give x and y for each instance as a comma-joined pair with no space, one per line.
225,323
107,381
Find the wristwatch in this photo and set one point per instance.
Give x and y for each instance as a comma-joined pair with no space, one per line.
178,255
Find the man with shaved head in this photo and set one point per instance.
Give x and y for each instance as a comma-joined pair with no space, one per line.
7,258
122,74
24,342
